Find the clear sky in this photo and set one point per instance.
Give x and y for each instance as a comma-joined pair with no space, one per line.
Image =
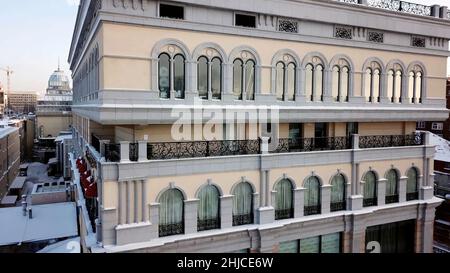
34,33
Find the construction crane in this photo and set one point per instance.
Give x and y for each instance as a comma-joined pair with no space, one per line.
9,72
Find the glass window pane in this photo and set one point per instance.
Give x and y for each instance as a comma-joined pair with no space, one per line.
312,192
289,247
370,185
318,74
345,83
310,245
309,82
368,84
411,185
237,79
250,79
391,184
335,83
331,243
290,88
279,84
164,75
216,78
376,85
202,75
208,206
243,203
390,88
179,77
338,189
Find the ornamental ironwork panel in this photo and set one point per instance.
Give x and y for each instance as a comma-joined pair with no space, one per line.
176,150
337,206
389,199
393,5
343,33
376,37
418,42
208,224
312,210
369,202
312,144
95,142
243,219
366,142
134,151
171,229
288,25
412,196
349,1
416,9
112,152
284,214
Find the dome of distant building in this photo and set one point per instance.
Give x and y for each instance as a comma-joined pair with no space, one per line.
58,81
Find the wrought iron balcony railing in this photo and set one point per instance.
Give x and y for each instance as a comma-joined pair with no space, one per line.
208,224
369,202
396,5
243,219
337,206
312,210
284,214
171,229
196,149
383,141
389,199
286,145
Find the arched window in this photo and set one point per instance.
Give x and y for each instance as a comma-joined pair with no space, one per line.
164,75
216,78
280,70
250,79
312,196
171,75
412,184
284,208
391,187
171,213
309,82
209,75
179,76
372,82
394,91
208,208
285,81
242,204
338,193
340,80
370,189
238,79
415,84
202,77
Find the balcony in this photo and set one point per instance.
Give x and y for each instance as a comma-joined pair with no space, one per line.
370,202
171,229
390,199
284,214
243,219
208,224
337,206
312,210
204,149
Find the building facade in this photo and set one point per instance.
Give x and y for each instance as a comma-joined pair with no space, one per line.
9,157
440,128
23,102
54,111
319,152
2,100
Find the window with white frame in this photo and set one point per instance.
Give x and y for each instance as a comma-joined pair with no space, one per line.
437,126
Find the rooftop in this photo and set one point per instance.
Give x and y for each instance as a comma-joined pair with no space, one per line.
51,221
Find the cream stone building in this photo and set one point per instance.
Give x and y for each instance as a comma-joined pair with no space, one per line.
338,165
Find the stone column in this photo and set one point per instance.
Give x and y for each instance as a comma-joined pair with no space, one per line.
325,198
136,186
124,151
154,219
226,211
435,11
383,89
128,202
145,215
122,216
327,97
381,191
190,216
300,85
142,151
299,202
402,189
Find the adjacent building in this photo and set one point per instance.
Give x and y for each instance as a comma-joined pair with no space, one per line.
311,109
23,102
2,100
54,110
9,157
